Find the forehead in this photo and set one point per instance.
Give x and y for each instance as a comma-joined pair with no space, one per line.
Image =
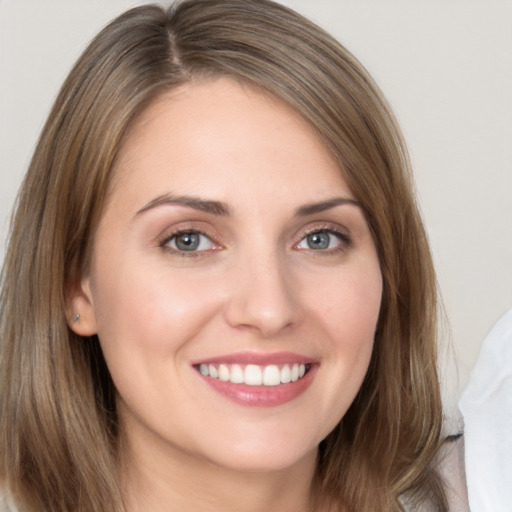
204,137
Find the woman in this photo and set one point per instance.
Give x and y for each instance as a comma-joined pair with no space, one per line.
218,293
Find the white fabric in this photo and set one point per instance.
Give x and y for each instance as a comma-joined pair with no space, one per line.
452,470
486,405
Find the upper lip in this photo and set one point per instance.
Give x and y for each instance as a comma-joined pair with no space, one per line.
257,358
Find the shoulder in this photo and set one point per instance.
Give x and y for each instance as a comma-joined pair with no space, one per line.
451,467
6,505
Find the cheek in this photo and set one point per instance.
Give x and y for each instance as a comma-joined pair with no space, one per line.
353,335
347,310
142,309
349,303
149,321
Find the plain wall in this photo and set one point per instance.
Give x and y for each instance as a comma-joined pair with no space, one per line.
444,65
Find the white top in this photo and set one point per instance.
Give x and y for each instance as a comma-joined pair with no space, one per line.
486,405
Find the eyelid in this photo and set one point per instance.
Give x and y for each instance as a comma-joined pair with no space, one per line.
342,233
345,238
169,234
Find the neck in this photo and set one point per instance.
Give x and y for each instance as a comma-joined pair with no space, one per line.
162,480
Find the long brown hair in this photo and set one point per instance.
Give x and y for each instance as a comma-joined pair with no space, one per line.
58,424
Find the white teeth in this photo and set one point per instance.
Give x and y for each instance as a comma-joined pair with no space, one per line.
237,374
271,376
295,372
213,371
223,372
286,374
254,375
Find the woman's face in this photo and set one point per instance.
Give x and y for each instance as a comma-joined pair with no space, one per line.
234,286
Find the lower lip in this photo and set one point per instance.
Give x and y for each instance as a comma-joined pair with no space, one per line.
262,396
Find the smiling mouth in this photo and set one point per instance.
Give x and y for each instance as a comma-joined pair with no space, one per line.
255,375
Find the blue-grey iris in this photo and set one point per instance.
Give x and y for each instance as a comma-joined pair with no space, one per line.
318,240
187,241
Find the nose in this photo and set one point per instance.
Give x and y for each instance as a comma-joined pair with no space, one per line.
263,296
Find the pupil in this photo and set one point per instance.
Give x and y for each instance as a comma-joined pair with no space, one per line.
187,241
318,240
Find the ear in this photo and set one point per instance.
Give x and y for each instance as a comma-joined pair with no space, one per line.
80,312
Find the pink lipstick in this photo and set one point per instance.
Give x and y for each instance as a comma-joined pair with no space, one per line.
255,379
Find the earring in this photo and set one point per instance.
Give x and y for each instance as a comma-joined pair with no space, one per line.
75,318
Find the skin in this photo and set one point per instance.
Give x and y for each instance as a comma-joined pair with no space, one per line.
255,285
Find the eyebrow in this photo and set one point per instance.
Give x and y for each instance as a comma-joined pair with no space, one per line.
312,208
222,209
207,206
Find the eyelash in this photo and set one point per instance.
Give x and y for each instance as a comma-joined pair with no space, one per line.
345,241
186,254
344,244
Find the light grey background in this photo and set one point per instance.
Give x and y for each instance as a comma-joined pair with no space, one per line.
444,65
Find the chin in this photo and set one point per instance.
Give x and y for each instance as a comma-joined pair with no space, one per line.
263,457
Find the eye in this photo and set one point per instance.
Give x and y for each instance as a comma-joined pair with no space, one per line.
321,240
188,241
